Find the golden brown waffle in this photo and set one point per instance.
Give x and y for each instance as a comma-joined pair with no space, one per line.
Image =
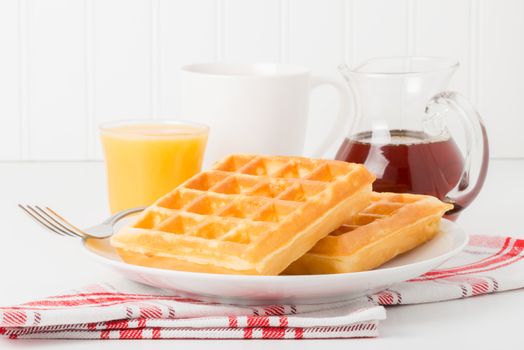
391,225
248,215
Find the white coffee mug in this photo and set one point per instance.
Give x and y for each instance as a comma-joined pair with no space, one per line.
255,108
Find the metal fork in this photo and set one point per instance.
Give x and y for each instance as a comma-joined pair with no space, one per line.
54,222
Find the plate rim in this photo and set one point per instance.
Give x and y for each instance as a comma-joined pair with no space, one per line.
281,278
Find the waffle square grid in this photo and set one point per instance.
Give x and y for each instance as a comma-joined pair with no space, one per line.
237,210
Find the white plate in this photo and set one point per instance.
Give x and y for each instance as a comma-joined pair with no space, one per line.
307,289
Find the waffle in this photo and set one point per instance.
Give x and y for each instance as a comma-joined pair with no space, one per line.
248,215
391,225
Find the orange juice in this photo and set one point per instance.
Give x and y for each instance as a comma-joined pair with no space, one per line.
145,160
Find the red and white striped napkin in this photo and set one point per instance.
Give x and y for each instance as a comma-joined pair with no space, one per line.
133,311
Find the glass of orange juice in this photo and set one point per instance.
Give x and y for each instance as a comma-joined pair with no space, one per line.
146,159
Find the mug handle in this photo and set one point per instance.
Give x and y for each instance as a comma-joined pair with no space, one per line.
477,146
339,127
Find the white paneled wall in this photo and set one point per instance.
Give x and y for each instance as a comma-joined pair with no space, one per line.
55,54
499,84
12,114
68,65
187,31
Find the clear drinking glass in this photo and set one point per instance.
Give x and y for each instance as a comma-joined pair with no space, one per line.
145,159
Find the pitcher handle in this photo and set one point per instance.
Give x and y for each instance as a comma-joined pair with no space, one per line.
476,146
339,127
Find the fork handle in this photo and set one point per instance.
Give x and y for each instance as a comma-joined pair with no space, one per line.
113,219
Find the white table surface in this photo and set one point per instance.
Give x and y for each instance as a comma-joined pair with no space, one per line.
34,263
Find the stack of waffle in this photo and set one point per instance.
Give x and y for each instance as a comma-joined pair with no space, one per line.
267,215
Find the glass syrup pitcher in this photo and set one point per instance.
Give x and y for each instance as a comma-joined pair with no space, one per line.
399,130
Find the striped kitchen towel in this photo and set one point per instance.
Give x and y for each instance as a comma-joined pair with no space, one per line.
133,311
488,264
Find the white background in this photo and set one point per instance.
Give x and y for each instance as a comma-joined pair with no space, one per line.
67,65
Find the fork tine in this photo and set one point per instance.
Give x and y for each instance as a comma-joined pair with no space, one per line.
60,222
49,222
36,217
64,221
